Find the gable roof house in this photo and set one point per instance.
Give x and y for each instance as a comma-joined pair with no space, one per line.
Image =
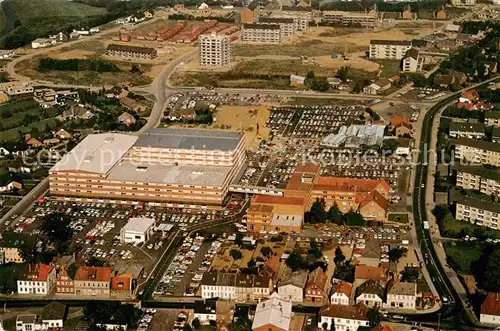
341,294
126,118
76,111
402,295
490,309
316,286
344,317
363,273
273,314
291,285
371,293
132,104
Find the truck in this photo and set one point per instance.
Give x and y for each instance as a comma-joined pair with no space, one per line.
405,242
426,225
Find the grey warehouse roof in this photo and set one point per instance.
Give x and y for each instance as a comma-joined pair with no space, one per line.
189,139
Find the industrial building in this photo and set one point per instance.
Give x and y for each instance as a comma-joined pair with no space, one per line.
389,49
346,18
137,230
355,136
215,50
162,166
261,33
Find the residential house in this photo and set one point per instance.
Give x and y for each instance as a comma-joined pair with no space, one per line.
132,105
469,96
10,185
467,130
52,316
94,281
345,318
363,273
296,81
74,35
182,114
401,126
33,142
64,283
122,286
39,279
317,286
42,43
50,142
77,111
274,314
126,119
230,286
341,293
28,322
441,14
407,14
4,152
459,76
378,86
247,15
205,311
12,243
444,80
490,309
131,52
63,134
402,295
291,285
412,61
404,147
371,293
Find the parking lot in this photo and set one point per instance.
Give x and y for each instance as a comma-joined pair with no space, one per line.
425,93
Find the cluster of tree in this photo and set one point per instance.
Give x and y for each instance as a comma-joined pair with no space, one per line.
77,65
318,214
396,253
472,59
418,80
487,269
102,312
55,227
453,111
236,254
488,94
316,83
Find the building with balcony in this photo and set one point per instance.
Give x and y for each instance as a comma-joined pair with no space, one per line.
476,211
477,151
261,33
389,49
467,130
215,50
478,178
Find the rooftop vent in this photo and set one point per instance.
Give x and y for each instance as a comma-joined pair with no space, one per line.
88,159
108,140
141,168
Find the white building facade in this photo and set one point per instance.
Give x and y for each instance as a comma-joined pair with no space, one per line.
215,50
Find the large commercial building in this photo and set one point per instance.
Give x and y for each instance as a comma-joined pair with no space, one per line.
261,33
389,49
215,50
169,167
478,178
287,25
477,151
479,212
348,18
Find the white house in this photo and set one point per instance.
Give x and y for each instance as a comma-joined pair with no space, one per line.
341,294
273,314
4,151
42,42
402,295
490,309
291,285
27,322
205,311
40,279
345,318
370,293
94,30
137,230
52,316
214,285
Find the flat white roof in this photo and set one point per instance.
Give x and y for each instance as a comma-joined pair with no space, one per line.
97,153
170,174
138,224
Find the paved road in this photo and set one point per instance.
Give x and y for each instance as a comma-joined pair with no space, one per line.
421,212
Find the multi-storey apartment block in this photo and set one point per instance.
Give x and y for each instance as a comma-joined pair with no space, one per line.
479,212
131,52
166,166
467,130
215,50
287,25
389,49
492,118
478,178
261,33
349,18
477,151
412,61
303,16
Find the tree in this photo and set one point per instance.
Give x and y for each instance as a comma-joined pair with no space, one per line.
314,250
374,317
295,260
318,214
440,211
358,87
354,219
334,215
491,279
251,263
266,251
310,75
56,227
320,84
241,324
236,254
339,256
187,327
324,326
239,239
343,73
396,253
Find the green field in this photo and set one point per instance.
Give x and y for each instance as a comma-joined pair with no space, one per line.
28,10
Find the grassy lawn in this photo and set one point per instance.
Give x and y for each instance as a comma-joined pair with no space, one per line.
399,218
451,227
389,67
462,254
